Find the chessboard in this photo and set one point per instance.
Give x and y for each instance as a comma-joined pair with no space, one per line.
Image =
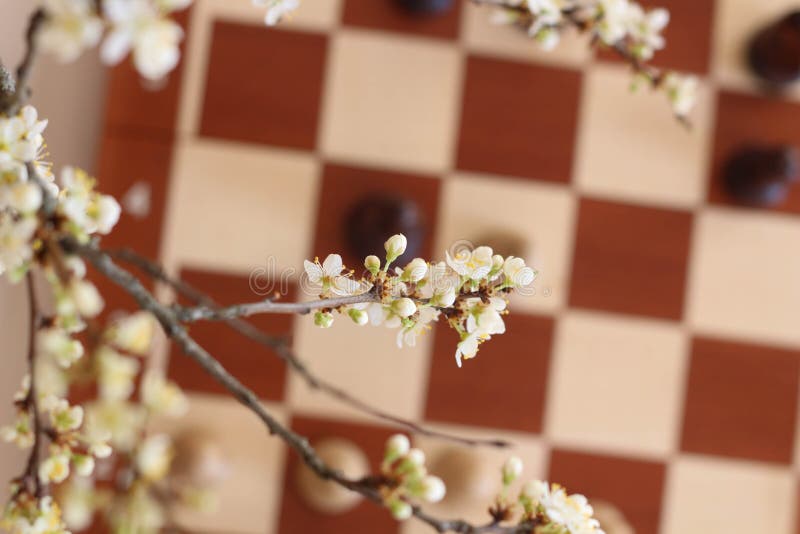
655,368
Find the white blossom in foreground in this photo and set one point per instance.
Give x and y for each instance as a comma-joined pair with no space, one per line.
29,516
71,27
144,28
276,9
470,288
404,468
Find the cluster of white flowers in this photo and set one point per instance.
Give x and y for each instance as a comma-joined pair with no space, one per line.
142,28
548,508
29,516
621,24
406,476
469,288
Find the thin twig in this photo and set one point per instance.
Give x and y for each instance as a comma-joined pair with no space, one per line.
202,312
282,349
178,334
25,67
31,400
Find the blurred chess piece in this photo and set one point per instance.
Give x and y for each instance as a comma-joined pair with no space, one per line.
377,217
426,7
774,52
761,176
506,243
200,460
326,496
468,476
611,518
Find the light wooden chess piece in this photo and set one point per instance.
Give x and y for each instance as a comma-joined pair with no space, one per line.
326,496
467,475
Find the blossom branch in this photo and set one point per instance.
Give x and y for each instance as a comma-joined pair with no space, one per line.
369,487
203,312
282,349
31,401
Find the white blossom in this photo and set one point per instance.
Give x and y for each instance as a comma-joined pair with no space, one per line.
63,417
71,27
21,136
276,9
571,511
421,324
154,456
15,242
133,333
517,273
20,433
682,93
163,396
613,24
116,374
474,264
646,28
55,468
89,211
321,276
55,343
139,26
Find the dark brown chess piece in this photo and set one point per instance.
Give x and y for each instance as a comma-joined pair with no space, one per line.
774,52
377,217
761,176
426,7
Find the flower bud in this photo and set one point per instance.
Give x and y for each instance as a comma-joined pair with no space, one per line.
395,246
404,307
398,445
373,264
359,317
401,510
133,333
444,298
416,457
84,465
512,469
323,319
433,489
415,270
86,298
517,273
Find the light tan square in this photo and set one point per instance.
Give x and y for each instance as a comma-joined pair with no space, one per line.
744,276
484,36
236,207
317,15
735,22
391,101
471,488
616,384
542,215
248,498
712,496
631,148
366,362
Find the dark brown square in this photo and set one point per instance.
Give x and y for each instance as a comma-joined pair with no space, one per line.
135,104
390,15
746,120
258,367
630,259
344,187
504,386
274,96
518,119
741,401
688,36
299,518
125,160
633,486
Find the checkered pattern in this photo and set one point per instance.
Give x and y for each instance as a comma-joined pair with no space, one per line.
656,367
